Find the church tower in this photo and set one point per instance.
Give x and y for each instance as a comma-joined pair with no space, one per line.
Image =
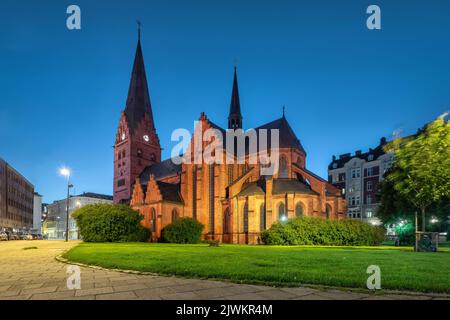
137,143
235,116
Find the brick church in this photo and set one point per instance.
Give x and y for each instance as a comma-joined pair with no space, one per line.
233,201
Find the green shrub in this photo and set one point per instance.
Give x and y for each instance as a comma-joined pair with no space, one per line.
183,230
406,235
317,231
110,223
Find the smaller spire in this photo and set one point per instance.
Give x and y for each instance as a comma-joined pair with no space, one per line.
235,116
284,111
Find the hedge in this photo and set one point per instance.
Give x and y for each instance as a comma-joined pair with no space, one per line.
182,230
110,223
317,231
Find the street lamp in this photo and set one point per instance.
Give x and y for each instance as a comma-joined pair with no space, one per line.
65,172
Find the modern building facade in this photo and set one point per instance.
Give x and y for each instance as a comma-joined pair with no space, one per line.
37,213
358,176
54,226
234,202
16,199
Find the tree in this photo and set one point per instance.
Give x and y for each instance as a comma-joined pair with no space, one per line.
421,173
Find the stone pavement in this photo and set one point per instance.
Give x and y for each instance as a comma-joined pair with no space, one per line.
35,274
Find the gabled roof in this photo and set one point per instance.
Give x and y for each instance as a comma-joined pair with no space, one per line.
138,100
160,170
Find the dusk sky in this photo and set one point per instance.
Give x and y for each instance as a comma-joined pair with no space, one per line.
344,86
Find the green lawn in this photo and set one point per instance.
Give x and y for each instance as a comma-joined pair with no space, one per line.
281,266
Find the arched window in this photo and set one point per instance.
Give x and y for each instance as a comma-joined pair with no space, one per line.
194,192
283,171
139,153
282,212
230,174
262,217
299,210
153,220
175,215
328,211
211,198
227,222
246,216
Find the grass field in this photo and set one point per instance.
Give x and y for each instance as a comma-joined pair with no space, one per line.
401,268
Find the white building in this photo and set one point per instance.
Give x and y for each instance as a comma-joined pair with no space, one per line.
358,176
55,223
37,212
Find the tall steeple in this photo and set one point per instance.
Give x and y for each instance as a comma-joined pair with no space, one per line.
138,101
235,116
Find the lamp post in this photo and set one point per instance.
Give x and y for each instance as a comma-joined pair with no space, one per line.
65,172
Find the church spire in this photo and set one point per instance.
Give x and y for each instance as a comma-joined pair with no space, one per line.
138,101
235,116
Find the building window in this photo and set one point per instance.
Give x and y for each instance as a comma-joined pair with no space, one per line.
175,215
230,174
262,217
370,171
211,198
194,192
299,210
282,212
328,211
121,182
246,216
153,220
139,153
369,199
334,165
357,200
356,173
283,168
370,157
369,185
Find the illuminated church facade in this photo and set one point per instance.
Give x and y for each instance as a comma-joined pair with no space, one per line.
233,201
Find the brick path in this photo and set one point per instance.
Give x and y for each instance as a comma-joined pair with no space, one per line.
35,274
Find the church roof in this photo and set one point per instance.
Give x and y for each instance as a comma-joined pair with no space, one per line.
138,100
170,191
281,186
160,170
251,189
288,139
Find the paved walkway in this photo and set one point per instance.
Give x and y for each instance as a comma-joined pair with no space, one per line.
35,274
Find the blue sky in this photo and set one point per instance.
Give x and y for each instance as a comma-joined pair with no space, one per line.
344,86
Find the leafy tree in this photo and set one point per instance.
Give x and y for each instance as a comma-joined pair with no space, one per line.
421,173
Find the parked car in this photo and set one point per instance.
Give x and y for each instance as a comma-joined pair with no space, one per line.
37,237
13,236
28,236
3,236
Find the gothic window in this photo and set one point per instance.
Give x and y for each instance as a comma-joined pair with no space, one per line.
283,170
328,211
211,198
282,212
194,192
153,220
175,215
299,210
152,157
139,153
227,222
230,174
262,217
246,216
